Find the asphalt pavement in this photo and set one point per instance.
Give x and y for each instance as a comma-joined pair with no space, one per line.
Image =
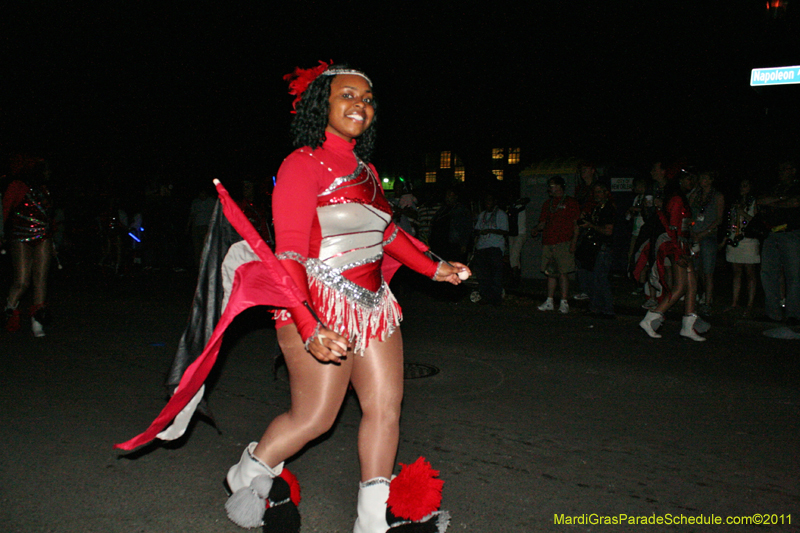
534,419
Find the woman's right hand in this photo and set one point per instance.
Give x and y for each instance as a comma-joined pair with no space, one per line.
328,346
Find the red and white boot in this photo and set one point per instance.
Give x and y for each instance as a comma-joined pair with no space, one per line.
262,495
687,328
372,498
408,504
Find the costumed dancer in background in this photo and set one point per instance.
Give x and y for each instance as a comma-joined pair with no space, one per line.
673,245
333,227
27,217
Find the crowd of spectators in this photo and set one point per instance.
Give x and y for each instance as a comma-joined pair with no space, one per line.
578,231
756,228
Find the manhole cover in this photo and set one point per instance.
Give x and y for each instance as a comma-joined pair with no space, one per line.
417,370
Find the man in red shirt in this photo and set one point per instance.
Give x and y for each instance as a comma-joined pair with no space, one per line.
559,229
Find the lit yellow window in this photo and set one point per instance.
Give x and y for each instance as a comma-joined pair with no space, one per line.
497,153
445,160
460,174
513,156
430,177
498,174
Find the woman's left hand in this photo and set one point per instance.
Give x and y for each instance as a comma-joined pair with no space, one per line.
453,273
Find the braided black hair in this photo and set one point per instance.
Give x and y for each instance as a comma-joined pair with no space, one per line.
308,125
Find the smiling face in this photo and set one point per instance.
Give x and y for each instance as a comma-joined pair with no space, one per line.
350,106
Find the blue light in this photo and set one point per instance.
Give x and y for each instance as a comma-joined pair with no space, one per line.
134,237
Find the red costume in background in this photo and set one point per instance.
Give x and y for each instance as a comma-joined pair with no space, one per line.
672,243
332,226
27,212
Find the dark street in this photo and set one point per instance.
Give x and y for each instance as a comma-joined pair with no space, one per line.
531,416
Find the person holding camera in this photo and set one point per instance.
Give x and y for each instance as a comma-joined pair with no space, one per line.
594,251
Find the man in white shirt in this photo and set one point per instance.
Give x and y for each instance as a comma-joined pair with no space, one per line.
491,228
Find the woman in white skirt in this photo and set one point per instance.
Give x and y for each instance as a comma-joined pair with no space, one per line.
743,253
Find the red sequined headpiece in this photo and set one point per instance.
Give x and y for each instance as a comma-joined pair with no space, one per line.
301,78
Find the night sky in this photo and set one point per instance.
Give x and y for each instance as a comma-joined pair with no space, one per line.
195,88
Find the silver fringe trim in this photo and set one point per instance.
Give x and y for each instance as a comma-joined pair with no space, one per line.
334,278
437,270
313,335
392,237
347,307
374,481
294,256
352,318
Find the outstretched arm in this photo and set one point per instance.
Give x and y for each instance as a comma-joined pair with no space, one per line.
399,245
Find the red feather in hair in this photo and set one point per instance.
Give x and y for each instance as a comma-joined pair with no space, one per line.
301,78
415,492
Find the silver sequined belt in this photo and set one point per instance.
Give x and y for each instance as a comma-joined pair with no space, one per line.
334,279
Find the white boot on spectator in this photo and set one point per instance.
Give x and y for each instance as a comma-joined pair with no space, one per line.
372,498
687,328
651,322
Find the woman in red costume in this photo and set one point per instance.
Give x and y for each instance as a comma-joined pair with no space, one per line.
333,227
29,231
673,246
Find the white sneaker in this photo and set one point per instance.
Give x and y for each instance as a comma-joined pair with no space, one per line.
547,305
564,307
37,328
581,296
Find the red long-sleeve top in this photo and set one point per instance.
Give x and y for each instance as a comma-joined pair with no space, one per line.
308,182
676,219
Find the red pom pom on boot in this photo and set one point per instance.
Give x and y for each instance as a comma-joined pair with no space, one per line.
408,504
415,498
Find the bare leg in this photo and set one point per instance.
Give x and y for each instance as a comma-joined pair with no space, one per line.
42,256
680,279
22,259
737,283
551,286
750,270
668,276
317,392
378,381
564,281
